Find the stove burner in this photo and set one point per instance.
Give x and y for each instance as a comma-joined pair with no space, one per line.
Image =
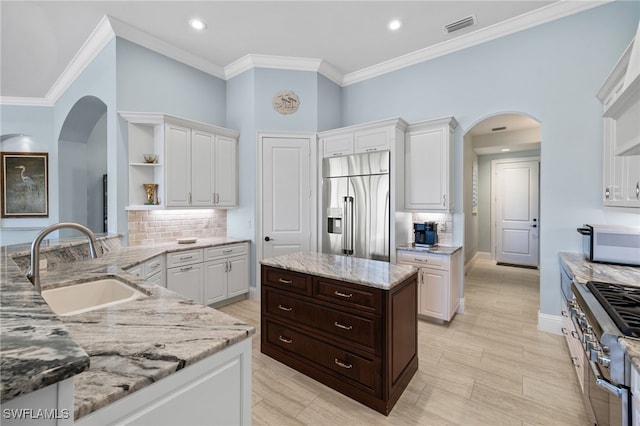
622,303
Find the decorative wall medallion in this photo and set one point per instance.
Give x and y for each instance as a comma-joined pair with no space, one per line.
286,102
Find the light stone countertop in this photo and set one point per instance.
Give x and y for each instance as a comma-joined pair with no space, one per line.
584,271
110,352
438,249
371,273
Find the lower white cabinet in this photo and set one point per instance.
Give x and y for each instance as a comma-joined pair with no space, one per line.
226,272
635,395
209,275
438,291
152,270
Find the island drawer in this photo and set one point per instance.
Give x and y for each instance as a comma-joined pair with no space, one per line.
286,280
355,329
365,372
360,297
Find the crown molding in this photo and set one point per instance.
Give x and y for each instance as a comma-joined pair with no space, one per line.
110,27
98,39
251,61
528,20
134,35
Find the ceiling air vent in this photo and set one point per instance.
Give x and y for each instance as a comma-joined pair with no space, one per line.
458,25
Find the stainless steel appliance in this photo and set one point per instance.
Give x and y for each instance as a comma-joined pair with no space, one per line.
602,314
425,234
611,243
355,201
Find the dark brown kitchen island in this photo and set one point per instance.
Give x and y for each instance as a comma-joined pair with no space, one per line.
349,323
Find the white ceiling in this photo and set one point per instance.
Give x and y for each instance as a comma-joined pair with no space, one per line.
41,38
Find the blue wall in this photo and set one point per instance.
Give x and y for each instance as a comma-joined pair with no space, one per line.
550,72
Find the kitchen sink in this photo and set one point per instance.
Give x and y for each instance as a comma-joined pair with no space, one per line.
78,298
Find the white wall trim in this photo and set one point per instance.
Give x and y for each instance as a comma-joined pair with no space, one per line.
461,306
550,323
109,27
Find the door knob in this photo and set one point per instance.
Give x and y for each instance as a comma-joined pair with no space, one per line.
267,239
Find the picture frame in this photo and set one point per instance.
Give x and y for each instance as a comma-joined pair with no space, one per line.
24,184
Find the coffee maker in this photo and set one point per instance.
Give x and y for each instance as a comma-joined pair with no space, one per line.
425,234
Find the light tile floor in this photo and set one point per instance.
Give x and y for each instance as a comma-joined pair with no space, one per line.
489,366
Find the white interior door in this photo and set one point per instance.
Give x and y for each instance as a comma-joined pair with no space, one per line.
286,195
516,211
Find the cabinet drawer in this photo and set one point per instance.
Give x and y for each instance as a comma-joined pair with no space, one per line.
224,251
286,280
365,372
360,297
355,329
423,260
181,258
153,266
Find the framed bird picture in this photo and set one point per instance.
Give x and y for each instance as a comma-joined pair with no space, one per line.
24,185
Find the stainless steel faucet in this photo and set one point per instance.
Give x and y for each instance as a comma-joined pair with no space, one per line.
34,268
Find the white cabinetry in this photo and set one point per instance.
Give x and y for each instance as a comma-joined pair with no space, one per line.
429,165
152,270
438,291
375,136
620,97
226,272
197,163
210,275
635,391
185,273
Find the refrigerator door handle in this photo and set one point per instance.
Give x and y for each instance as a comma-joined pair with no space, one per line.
350,230
345,235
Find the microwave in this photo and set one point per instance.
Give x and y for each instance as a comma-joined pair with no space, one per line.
611,244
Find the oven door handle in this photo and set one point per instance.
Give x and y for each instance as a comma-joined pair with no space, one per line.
603,383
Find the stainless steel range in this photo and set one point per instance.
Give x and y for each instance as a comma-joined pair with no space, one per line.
602,314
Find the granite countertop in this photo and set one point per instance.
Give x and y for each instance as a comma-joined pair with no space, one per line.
584,271
110,352
437,249
371,273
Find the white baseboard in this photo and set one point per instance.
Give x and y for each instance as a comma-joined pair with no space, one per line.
479,255
550,323
461,306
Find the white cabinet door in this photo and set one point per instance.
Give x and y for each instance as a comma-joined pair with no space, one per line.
433,293
225,166
372,140
428,168
187,281
337,145
613,168
202,168
632,181
238,276
178,166
215,281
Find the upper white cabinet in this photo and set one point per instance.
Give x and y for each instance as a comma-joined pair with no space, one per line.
374,136
428,160
620,97
196,167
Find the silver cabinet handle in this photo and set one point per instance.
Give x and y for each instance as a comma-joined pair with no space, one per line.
335,154
607,192
344,327
227,251
186,268
638,190
420,260
342,364
154,265
186,257
226,266
189,198
444,200
347,296
283,281
371,149
284,308
230,266
285,340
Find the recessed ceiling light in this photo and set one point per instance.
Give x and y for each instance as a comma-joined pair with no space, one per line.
395,24
198,24
505,149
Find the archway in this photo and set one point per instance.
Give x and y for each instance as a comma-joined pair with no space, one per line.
82,153
496,137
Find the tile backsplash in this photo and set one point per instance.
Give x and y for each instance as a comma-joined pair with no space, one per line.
445,233
158,226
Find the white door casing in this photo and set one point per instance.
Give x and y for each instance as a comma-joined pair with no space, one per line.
515,199
286,196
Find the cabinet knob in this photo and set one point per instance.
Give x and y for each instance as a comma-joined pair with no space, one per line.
607,193
267,238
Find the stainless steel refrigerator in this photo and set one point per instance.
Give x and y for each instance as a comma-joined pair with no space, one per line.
355,201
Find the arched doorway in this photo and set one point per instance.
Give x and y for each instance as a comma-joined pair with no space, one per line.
82,153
